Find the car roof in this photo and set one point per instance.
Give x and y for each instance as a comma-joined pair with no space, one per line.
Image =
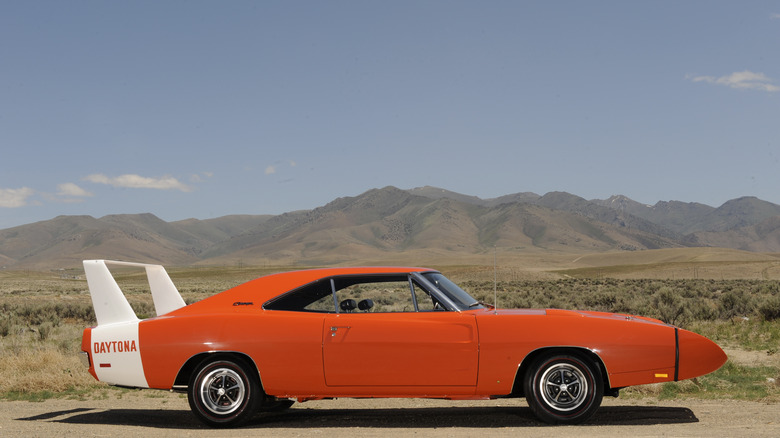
262,289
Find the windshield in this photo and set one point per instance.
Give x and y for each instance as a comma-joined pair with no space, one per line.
458,296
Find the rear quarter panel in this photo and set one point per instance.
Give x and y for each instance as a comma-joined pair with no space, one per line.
285,346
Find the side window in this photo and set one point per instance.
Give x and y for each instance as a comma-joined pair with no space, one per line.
377,294
314,297
358,294
324,304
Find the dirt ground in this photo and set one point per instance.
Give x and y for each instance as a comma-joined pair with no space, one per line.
154,413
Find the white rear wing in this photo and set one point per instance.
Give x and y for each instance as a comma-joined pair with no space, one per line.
109,301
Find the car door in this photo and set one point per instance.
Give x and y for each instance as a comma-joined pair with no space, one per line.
397,345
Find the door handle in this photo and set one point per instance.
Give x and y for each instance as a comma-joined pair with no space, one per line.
334,329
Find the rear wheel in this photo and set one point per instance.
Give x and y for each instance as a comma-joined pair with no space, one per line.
563,388
224,392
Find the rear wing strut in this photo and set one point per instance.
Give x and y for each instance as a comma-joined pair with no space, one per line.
109,301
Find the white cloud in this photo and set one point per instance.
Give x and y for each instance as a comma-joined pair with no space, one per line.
14,198
745,80
200,177
139,182
70,189
272,168
775,16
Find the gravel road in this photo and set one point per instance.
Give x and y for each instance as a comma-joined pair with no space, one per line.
155,413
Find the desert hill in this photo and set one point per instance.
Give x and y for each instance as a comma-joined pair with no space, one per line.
391,224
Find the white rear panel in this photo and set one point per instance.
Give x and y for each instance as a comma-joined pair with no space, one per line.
116,354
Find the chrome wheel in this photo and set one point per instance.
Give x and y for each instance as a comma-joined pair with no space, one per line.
563,387
222,391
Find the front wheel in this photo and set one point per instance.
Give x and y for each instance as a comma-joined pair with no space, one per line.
563,389
223,392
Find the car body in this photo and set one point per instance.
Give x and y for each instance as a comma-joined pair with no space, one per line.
374,332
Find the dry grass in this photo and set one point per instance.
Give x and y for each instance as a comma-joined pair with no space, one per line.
31,365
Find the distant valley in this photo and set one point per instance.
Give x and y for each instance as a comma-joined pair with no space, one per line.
425,223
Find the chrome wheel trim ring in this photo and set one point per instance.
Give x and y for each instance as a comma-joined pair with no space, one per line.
222,391
563,387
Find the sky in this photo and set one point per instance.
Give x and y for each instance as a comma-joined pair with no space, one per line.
200,109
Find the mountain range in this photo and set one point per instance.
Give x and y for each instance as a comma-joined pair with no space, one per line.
394,224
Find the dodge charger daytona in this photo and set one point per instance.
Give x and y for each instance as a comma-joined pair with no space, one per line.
373,332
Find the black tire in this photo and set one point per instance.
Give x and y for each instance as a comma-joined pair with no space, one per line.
563,388
224,392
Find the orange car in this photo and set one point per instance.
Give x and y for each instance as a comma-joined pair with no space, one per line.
374,332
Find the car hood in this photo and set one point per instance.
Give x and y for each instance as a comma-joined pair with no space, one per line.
578,314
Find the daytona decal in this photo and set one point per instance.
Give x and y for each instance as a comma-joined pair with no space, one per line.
114,347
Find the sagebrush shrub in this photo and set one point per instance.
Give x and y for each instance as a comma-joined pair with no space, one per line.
770,309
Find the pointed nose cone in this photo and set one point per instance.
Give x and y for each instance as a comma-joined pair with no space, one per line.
698,355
